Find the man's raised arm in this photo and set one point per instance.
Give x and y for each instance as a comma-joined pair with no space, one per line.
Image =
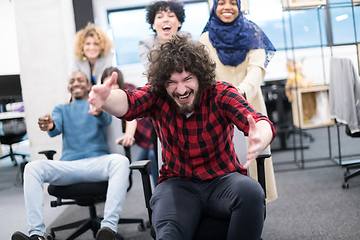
113,102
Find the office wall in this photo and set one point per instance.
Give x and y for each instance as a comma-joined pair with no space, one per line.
9,60
45,30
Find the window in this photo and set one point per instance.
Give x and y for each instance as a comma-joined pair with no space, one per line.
127,36
342,24
309,34
325,26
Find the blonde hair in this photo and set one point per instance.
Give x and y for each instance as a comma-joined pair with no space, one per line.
91,31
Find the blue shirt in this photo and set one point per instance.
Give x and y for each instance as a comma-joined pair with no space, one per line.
83,134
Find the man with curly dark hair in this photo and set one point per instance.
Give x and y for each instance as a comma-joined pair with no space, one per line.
165,19
194,117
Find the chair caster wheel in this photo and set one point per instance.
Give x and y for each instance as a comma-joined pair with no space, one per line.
345,185
141,227
50,236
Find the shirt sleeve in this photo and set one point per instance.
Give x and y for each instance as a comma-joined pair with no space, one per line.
104,119
236,109
141,103
57,117
255,73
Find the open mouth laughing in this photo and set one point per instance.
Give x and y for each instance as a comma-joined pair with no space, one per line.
166,29
183,99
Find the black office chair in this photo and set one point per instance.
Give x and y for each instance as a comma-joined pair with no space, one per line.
348,175
86,195
14,132
210,228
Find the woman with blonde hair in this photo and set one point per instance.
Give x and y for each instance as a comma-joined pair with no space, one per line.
93,52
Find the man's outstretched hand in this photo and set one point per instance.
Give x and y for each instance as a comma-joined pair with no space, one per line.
46,122
255,142
99,94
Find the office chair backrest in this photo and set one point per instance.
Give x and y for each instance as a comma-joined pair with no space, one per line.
14,126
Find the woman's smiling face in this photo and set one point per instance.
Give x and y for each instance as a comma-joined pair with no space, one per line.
227,10
91,48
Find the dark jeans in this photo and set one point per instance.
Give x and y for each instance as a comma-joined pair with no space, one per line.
179,204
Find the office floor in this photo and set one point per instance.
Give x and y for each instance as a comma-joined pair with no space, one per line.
312,205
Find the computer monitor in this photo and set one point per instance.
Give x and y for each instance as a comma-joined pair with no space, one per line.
10,89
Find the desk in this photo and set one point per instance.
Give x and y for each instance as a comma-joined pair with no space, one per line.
11,115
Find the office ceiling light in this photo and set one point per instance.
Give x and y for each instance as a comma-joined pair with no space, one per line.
341,17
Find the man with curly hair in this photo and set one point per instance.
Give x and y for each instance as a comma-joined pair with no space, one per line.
194,116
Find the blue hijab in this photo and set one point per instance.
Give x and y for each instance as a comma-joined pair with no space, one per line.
233,41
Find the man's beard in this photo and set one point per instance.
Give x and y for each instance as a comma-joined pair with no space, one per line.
185,108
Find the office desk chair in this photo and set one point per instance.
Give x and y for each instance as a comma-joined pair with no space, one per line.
209,228
86,195
344,90
10,139
348,175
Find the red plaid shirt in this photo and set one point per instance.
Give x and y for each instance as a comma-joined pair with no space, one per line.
199,147
143,133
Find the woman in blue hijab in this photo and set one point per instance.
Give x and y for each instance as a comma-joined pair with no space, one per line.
241,51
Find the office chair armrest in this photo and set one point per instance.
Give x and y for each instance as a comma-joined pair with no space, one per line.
260,164
263,156
143,167
48,153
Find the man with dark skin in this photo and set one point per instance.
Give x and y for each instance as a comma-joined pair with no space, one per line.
85,158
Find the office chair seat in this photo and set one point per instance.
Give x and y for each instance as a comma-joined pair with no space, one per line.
85,194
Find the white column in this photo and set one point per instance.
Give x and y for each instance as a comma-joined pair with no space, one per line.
45,34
